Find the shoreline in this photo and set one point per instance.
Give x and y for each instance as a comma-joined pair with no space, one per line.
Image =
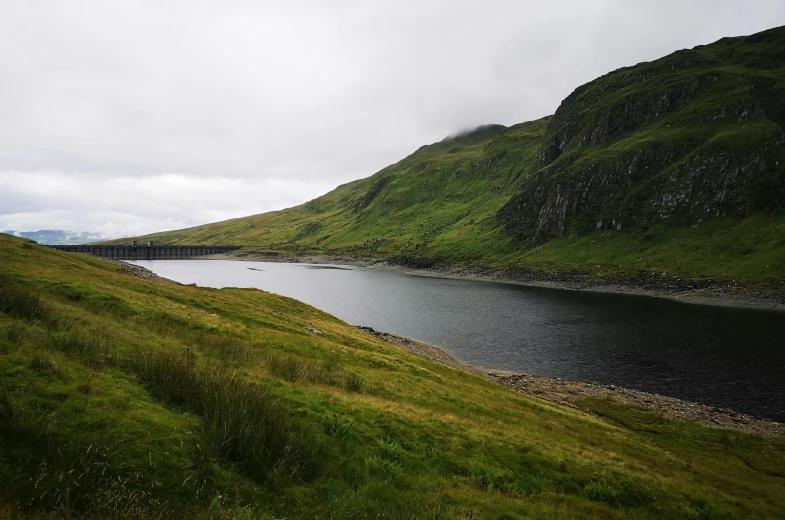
718,295
569,394
560,392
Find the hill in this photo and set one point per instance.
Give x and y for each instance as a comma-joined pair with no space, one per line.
448,192
129,398
675,166
57,236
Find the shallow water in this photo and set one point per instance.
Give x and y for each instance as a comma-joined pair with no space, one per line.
720,356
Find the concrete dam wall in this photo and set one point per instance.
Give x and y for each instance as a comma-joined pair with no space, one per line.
149,252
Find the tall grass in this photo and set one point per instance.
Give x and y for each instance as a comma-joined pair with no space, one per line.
295,369
22,418
171,377
298,370
21,301
92,346
242,422
13,330
230,349
71,475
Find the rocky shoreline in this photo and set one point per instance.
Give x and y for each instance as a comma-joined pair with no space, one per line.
570,393
703,292
140,272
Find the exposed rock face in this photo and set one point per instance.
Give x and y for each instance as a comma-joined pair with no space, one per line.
693,136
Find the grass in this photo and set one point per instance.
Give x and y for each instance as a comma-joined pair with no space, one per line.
183,402
457,184
750,252
20,301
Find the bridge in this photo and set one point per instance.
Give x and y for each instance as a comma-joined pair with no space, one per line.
148,252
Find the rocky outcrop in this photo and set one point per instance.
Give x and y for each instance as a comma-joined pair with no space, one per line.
141,272
694,136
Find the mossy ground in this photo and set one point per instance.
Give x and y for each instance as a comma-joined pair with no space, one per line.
121,397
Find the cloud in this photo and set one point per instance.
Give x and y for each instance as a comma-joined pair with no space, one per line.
124,205
287,95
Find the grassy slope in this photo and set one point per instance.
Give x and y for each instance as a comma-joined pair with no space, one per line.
441,199
123,396
459,227
686,138
750,252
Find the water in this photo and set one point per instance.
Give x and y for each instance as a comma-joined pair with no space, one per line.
719,356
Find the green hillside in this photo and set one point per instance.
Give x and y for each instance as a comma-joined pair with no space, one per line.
691,137
675,166
444,197
130,398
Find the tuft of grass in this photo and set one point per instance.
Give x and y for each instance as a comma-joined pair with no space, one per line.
23,419
235,353
354,382
242,422
21,301
91,345
288,368
171,377
336,425
382,468
599,491
488,477
531,484
245,424
296,369
702,509
12,330
390,449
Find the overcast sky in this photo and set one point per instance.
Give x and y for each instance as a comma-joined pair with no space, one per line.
125,117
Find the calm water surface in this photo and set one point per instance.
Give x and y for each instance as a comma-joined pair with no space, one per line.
720,356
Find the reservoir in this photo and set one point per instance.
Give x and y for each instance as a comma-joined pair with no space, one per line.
725,357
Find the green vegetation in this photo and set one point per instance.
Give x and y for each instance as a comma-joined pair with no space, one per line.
751,252
693,136
129,398
675,166
442,198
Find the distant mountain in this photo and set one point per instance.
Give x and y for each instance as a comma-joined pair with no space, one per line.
57,236
675,166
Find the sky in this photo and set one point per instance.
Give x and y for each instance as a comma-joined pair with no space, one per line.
124,117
